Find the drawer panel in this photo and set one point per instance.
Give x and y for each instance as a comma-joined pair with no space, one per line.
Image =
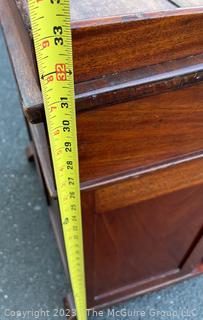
141,133
148,240
149,226
149,186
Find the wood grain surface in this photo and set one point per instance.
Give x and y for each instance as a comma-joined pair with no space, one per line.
149,239
138,83
140,133
143,42
149,186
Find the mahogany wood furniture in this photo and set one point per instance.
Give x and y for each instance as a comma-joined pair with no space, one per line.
139,98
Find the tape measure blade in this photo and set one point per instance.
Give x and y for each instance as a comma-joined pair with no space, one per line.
50,21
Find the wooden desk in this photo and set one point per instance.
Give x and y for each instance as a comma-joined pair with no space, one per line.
139,97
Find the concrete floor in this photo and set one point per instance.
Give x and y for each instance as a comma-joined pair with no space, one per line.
31,276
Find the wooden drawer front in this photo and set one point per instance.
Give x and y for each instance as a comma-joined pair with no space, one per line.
150,239
140,133
125,43
148,186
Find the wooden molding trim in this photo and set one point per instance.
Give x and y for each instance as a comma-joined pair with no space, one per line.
160,182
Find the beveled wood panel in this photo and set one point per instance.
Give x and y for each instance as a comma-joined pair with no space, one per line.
140,133
149,240
149,186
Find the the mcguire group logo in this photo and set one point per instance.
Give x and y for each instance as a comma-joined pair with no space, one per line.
112,313
121,313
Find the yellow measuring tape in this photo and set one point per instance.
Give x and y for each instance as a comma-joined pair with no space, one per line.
51,29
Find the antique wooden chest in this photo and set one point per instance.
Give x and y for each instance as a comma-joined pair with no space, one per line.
139,98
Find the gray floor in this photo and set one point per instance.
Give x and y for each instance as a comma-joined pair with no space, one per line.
31,276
